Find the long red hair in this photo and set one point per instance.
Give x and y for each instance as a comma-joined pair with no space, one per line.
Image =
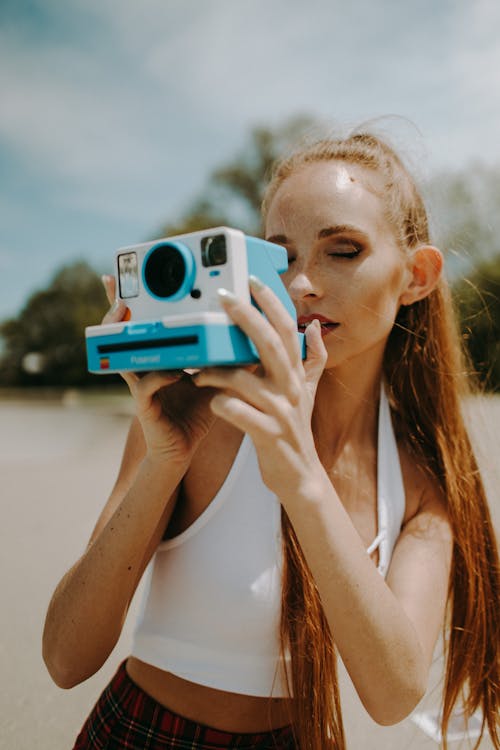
426,375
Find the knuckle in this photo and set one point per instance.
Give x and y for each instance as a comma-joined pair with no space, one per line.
273,429
240,378
284,411
294,393
275,347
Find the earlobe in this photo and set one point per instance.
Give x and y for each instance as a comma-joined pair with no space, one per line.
425,265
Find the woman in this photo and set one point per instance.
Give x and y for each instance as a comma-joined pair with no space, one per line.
382,520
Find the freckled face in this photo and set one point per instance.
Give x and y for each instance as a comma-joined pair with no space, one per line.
344,262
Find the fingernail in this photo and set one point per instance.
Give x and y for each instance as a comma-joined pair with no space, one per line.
226,296
314,323
256,283
106,278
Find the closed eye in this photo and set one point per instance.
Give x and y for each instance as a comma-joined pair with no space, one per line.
349,254
344,248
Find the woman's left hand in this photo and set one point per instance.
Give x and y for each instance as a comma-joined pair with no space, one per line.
273,403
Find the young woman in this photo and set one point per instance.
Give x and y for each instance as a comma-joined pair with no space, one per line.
299,509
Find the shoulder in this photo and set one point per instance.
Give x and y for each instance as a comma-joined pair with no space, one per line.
421,562
422,489
426,529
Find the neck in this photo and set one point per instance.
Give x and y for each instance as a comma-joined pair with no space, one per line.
346,408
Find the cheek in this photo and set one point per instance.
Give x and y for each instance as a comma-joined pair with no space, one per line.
375,295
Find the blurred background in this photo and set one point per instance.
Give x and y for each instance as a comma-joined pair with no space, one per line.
122,121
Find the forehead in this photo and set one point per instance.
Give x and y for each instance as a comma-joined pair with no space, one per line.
323,194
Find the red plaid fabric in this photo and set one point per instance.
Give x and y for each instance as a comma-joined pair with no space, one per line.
127,718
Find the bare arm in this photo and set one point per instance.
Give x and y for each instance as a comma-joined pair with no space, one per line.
385,631
87,611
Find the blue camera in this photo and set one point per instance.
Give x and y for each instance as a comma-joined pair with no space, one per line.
175,319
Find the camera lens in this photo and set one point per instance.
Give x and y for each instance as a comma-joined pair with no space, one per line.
168,270
213,250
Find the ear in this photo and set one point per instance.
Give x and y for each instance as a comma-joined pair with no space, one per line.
425,264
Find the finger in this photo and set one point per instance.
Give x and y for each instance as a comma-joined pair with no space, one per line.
278,316
130,378
271,348
116,313
109,284
149,384
143,389
240,382
245,417
316,356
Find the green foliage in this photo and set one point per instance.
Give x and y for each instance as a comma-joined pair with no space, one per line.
465,216
465,208
478,302
51,327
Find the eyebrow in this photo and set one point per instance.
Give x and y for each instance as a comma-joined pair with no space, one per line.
279,239
282,239
339,229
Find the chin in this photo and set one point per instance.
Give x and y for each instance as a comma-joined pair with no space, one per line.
337,353
334,361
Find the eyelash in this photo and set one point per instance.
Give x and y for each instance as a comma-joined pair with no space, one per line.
356,249
345,255
351,254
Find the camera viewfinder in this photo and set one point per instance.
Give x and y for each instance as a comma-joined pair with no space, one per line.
213,250
128,276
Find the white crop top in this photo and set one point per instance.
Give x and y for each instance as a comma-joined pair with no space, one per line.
211,606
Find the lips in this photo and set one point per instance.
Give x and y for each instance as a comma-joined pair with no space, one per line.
327,325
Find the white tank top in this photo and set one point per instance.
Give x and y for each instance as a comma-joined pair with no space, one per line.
211,606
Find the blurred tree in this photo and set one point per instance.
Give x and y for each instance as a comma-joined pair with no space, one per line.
465,216
478,301
45,344
465,220
202,214
234,191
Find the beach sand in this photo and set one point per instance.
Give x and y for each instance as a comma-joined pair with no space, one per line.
58,461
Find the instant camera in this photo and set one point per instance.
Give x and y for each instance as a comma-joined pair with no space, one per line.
175,320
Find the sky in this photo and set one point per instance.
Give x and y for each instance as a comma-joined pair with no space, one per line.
113,113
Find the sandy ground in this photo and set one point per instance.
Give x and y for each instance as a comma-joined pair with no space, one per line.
58,460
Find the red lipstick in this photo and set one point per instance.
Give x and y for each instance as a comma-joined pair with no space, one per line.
327,325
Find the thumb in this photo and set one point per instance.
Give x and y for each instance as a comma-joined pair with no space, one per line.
316,356
116,313
109,284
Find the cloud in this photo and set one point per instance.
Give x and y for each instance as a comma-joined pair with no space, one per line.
97,135
72,130
168,86
475,60
114,111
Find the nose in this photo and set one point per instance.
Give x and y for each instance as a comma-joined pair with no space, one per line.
304,283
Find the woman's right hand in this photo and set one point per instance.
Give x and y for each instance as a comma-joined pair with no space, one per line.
174,414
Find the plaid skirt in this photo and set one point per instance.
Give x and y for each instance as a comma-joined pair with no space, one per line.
127,718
